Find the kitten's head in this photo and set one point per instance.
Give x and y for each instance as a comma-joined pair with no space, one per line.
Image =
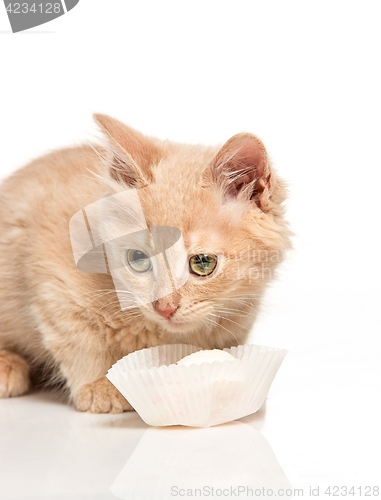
204,225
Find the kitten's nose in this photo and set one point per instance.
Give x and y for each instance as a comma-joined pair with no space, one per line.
166,312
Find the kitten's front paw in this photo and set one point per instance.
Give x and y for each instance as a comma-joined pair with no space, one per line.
14,374
101,397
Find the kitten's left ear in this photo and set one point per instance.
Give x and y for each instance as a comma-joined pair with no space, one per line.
241,168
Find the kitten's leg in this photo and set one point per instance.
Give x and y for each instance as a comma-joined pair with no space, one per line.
100,397
81,354
89,389
14,374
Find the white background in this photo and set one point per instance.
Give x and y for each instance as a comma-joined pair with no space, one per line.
305,77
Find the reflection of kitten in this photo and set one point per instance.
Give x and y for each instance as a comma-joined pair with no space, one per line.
67,325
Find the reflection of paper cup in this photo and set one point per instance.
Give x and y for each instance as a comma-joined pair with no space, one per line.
169,461
203,395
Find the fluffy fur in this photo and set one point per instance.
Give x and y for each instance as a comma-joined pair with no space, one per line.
61,325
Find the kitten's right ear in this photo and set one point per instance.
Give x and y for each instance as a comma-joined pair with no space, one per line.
131,152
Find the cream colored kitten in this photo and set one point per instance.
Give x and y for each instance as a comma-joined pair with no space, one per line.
63,325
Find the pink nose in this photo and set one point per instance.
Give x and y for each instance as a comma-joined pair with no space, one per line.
167,312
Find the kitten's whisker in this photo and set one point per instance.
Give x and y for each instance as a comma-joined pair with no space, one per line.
218,324
228,319
128,311
233,313
100,291
240,295
109,303
229,309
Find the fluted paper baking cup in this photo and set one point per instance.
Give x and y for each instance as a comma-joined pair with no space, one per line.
203,395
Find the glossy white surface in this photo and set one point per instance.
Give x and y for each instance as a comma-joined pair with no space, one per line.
319,426
304,77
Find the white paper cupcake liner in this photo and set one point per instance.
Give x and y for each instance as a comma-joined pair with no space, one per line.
164,393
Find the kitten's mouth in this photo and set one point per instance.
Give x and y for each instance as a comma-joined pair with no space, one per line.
170,323
173,322
175,325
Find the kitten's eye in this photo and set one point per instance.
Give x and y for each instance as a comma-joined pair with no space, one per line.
139,261
202,264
